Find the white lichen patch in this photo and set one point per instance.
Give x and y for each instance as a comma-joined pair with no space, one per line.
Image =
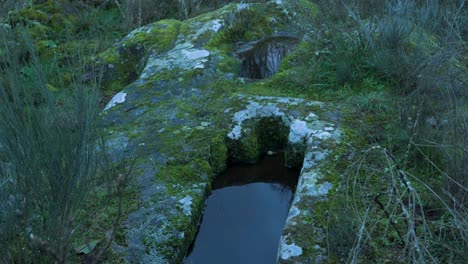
286,251
195,54
298,131
322,135
311,185
308,184
118,142
203,125
253,110
216,25
311,116
311,158
242,6
314,103
293,212
235,132
307,180
117,99
182,56
270,106
186,204
278,2
319,189
281,100
267,106
200,29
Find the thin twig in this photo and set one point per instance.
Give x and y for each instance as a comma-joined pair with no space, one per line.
102,250
389,217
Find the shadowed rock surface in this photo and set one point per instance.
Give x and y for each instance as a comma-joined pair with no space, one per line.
261,59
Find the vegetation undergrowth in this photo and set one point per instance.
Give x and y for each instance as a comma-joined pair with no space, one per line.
398,69
52,149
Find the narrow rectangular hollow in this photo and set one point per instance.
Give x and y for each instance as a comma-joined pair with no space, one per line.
245,214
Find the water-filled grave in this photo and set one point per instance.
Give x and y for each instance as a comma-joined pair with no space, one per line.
245,214
261,59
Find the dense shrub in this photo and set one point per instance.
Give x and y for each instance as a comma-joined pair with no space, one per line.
140,12
49,157
137,13
420,48
409,190
7,6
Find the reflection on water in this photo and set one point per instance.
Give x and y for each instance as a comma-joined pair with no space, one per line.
245,214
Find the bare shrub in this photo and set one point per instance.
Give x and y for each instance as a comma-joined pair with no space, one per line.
412,196
137,13
49,158
393,209
9,5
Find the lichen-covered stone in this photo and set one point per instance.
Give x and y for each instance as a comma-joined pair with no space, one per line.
181,121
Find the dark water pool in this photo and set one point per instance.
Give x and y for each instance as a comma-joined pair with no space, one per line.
245,214
261,59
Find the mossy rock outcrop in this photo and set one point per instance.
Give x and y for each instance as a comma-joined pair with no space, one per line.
186,112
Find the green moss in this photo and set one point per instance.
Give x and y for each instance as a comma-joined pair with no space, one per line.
169,75
65,33
180,178
188,75
218,154
185,174
228,64
223,88
244,150
181,173
294,155
110,56
119,72
161,36
302,74
272,133
304,52
247,24
189,226
333,215
165,35
308,7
